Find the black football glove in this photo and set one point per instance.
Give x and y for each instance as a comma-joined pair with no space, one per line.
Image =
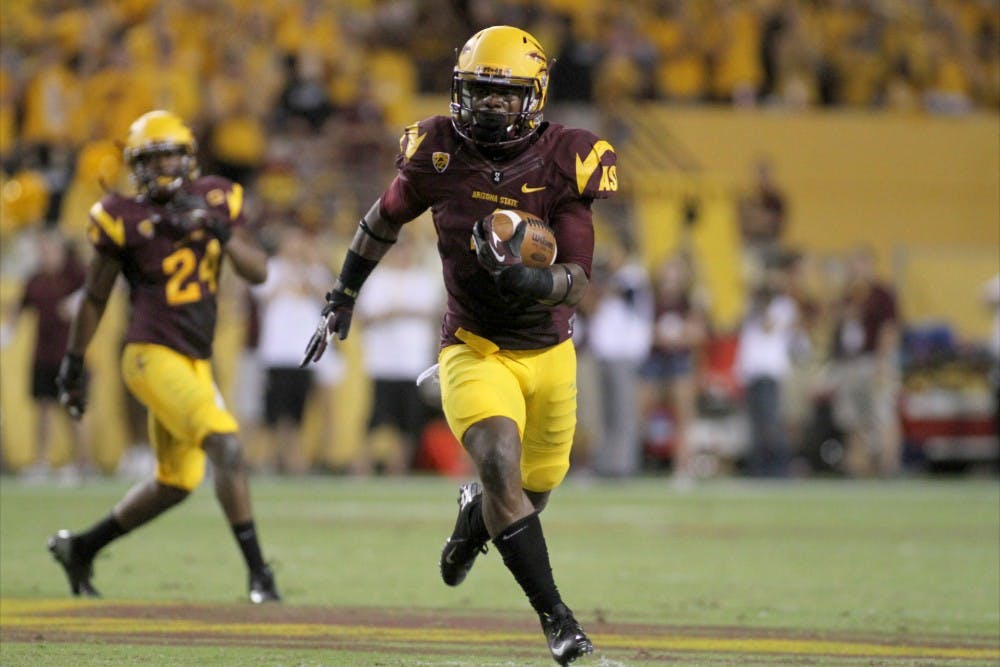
192,212
218,228
335,320
72,385
493,254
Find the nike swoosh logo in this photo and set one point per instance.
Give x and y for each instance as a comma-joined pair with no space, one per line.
448,559
519,530
500,257
526,189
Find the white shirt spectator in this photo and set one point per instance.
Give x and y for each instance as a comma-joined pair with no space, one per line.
765,347
621,326
290,301
399,306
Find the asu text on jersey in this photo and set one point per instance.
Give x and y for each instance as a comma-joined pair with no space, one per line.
171,265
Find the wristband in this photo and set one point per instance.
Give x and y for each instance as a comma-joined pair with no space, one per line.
354,273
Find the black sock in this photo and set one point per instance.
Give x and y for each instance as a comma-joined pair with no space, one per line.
525,554
476,521
246,537
88,543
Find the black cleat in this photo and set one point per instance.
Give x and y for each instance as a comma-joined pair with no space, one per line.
262,586
461,549
78,571
567,640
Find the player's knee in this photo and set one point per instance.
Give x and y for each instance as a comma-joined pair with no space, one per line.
225,451
495,447
170,495
538,499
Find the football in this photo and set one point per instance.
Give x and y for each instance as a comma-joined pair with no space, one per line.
538,246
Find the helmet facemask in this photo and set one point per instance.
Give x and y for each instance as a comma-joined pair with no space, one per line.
491,127
161,170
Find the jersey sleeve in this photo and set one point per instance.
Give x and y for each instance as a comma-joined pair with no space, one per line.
590,163
573,225
225,198
106,227
417,159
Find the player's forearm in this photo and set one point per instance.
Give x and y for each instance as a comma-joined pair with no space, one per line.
101,276
371,242
248,258
374,235
85,324
559,284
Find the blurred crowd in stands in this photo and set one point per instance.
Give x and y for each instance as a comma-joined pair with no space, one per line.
303,102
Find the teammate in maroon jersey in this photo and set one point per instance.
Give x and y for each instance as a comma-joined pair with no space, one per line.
507,362
168,242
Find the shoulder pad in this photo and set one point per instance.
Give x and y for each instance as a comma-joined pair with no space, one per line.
589,161
219,191
107,222
425,143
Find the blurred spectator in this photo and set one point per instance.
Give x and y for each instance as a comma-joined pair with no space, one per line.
399,309
288,300
51,97
51,292
98,168
24,201
682,70
803,389
763,217
733,36
363,141
763,363
304,99
237,144
865,368
620,333
668,374
577,58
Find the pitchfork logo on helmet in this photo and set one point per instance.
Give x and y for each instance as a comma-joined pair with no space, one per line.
509,62
160,151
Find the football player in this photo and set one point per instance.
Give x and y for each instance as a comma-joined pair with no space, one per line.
507,362
168,242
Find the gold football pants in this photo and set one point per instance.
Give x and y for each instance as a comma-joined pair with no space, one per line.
534,388
183,405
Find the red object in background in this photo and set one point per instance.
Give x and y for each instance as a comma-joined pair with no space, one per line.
946,429
660,433
441,452
717,374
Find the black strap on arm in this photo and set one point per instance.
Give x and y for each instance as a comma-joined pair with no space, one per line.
569,286
368,230
354,273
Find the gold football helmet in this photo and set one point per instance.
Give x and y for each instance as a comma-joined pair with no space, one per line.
504,61
160,151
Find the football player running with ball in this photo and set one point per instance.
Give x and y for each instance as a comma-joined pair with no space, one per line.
507,361
168,241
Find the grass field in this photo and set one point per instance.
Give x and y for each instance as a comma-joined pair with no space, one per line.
730,573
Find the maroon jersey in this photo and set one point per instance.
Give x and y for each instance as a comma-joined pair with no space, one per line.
556,178
45,293
171,266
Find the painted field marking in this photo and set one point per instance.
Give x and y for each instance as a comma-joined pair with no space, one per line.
65,617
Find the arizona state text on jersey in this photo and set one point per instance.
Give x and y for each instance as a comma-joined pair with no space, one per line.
171,266
556,178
